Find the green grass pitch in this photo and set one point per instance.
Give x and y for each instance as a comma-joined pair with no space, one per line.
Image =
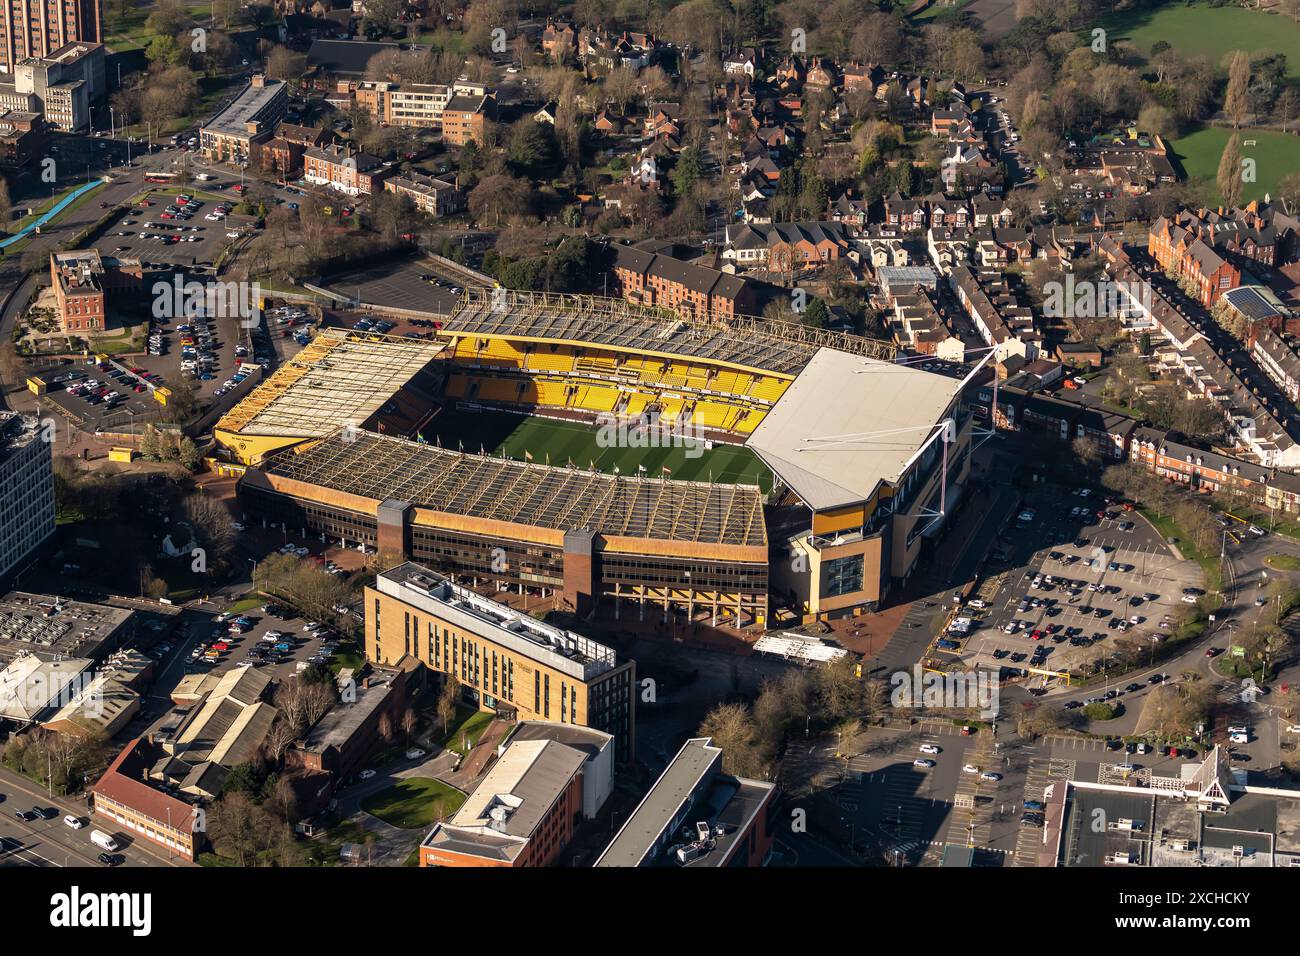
562,443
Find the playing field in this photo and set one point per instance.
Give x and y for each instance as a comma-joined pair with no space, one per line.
1202,30
1274,155
570,443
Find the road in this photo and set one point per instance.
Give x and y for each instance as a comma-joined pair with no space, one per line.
52,842
124,185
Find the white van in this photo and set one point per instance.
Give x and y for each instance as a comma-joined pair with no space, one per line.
104,841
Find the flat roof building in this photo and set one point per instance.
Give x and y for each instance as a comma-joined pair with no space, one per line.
348,734
33,688
522,813
51,626
38,29
249,119
26,491
502,659
696,815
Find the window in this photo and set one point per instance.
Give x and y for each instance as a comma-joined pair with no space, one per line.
843,575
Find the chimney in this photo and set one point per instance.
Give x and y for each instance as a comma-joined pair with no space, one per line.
258,81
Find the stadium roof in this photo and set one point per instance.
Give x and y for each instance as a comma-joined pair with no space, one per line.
336,380
766,345
380,468
848,423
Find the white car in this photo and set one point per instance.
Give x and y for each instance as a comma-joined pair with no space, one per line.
929,749
75,822
1293,728
311,625
924,764
415,753
990,775
366,774
970,768
978,604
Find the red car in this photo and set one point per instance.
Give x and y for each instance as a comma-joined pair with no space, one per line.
166,215
1036,635
221,646
1214,652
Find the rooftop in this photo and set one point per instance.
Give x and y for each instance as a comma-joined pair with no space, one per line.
814,437
377,468
342,721
30,686
247,107
337,380
777,347
691,789
231,723
555,647
49,626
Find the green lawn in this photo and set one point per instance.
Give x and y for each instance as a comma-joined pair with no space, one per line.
465,730
1201,30
561,443
1283,562
1274,154
414,804
346,656
1208,561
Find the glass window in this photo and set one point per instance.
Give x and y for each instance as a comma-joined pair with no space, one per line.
843,575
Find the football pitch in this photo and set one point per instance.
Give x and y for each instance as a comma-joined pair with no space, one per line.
545,440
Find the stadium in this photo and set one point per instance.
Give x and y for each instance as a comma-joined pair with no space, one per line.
624,460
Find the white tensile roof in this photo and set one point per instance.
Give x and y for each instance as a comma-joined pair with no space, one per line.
847,423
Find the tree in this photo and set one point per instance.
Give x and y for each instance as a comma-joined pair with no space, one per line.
285,64
1086,451
498,195
1237,101
447,703
1229,175
225,12
150,447
688,171
733,730
187,453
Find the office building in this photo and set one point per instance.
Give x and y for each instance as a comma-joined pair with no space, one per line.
36,28
26,491
503,660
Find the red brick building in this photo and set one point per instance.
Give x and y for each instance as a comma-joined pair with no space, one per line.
1183,253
